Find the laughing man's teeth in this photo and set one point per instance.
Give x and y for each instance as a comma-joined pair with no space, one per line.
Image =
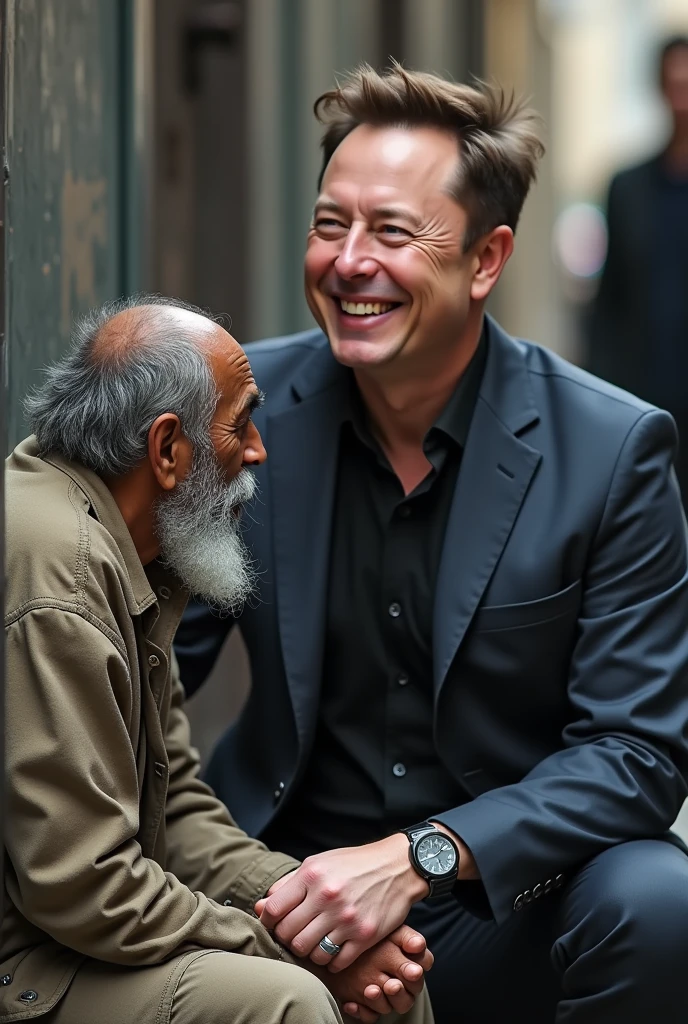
365,308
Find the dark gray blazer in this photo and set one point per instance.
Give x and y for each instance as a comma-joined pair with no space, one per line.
560,620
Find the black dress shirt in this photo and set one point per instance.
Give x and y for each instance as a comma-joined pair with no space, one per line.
373,767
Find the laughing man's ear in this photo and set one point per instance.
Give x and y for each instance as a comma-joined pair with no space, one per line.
491,253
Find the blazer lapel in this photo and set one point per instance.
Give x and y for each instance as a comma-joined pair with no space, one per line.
303,442
495,474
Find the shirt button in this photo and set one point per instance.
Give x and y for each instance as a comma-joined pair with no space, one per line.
227,903
402,679
5,979
399,770
404,511
154,661
165,593
28,996
395,610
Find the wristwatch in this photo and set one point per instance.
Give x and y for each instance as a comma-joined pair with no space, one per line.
434,856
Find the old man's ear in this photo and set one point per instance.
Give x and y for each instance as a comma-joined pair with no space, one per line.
169,450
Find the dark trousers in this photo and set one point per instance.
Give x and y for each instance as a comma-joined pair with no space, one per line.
610,947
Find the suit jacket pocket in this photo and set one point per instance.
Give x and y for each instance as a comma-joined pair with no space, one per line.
528,613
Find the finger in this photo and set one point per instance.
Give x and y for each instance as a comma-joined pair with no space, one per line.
349,952
360,1013
303,928
399,999
411,972
409,940
376,1000
260,906
414,983
306,941
426,961
287,898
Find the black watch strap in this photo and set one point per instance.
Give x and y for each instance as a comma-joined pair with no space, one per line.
438,886
414,831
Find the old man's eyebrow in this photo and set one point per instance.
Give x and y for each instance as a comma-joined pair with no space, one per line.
254,400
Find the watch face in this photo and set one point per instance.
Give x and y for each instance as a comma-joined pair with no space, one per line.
436,855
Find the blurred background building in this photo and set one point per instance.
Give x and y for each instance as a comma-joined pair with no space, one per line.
169,145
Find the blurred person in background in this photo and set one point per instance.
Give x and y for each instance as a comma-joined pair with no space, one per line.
639,319
130,890
470,653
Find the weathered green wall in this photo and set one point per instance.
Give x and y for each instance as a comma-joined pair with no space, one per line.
65,136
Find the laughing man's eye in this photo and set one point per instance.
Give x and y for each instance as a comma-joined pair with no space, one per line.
394,231
327,223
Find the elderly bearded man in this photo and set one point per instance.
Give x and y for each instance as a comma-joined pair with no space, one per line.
129,888
474,632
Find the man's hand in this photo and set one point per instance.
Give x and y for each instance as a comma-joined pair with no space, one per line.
385,979
356,896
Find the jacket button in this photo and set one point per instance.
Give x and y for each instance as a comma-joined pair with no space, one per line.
278,792
538,890
28,996
559,881
154,661
549,885
527,896
518,902
6,979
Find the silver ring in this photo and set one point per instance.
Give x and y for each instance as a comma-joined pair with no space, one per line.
328,946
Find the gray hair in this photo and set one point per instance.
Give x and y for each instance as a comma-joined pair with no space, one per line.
97,409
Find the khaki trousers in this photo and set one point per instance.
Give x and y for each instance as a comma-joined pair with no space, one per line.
205,987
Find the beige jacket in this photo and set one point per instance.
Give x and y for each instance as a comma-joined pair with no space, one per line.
114,848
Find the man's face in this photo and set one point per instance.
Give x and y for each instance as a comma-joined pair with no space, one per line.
675,81
198,522
385,272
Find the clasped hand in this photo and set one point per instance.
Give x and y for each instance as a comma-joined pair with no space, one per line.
355,896
386,978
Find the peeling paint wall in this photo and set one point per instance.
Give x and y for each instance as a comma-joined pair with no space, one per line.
65,164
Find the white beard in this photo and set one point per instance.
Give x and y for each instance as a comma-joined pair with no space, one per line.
200,536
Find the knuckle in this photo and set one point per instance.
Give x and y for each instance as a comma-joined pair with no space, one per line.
299,947
347,915
331,892
312,872
366,930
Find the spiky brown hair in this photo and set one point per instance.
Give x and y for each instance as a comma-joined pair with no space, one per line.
498,135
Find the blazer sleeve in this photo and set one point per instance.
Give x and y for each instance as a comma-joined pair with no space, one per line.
620,772
73,808
197,643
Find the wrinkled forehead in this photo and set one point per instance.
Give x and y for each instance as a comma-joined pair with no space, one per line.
230,366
